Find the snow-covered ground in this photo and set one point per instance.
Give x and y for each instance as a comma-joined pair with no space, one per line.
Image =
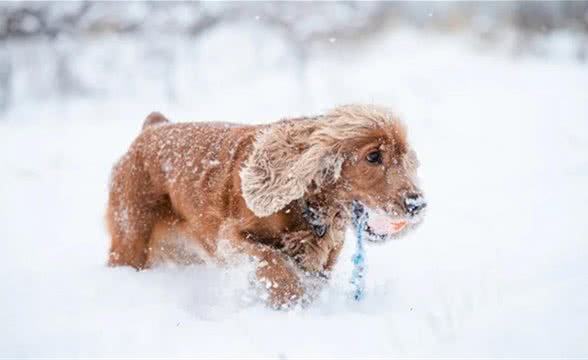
499,268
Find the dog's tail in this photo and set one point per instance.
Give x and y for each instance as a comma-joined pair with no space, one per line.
154,118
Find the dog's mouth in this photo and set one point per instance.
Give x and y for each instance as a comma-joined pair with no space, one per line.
382,226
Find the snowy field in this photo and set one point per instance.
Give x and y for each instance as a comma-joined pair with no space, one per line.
499,268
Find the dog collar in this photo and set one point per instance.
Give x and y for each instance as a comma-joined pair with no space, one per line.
313,217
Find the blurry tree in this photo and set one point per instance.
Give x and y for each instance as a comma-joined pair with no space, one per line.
303,20
60,27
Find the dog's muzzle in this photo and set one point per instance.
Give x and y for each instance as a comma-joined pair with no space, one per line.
358,212
414,206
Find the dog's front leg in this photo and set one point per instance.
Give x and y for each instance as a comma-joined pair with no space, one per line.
277,275
273,270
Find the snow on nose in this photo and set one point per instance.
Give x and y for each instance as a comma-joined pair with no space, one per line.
414,203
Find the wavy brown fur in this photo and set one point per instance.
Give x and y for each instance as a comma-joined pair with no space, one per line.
182,188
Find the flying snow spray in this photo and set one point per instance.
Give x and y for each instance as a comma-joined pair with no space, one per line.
358,259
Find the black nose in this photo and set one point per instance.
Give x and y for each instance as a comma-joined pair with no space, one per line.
414,203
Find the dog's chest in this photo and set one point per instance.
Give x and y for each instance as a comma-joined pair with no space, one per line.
310,252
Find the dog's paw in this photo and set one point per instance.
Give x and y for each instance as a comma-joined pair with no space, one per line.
281,284
306,250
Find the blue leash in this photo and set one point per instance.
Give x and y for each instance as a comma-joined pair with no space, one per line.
358,258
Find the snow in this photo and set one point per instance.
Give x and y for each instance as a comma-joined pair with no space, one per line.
498,268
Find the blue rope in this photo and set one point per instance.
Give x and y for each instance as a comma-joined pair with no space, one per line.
358,258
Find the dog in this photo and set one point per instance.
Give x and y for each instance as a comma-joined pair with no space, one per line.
280,193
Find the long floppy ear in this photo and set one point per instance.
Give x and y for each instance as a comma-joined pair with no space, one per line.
287,157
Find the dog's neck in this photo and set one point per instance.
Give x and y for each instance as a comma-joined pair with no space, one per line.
322,211
315,218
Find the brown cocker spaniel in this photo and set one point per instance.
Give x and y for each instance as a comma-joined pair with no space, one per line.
280,193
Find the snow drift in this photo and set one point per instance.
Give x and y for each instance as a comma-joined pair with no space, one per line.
499,268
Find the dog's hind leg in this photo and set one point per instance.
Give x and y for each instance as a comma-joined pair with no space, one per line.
131,215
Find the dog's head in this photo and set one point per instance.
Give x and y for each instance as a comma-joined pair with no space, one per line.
357,153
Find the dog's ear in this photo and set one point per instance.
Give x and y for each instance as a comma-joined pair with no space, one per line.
287,158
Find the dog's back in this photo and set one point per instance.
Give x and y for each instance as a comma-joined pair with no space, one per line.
153,185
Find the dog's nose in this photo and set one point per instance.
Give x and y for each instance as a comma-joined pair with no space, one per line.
414,203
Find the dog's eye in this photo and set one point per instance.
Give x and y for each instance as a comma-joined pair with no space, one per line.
374,157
